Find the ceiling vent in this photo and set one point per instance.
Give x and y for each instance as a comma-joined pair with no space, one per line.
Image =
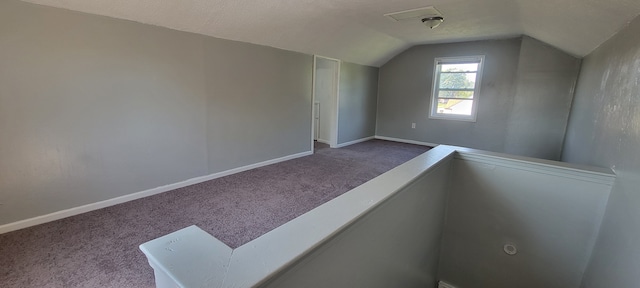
424,12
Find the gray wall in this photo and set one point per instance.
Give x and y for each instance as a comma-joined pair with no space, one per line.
551,215
405,92
524,101
545,86
604,130
259,103
358,102
394,245
93,108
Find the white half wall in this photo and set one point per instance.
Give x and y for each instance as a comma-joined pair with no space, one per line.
550,211
444,215
394,245
384,233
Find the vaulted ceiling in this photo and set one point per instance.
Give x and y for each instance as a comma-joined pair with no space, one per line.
356,30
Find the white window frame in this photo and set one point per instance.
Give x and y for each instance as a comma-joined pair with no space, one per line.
433,110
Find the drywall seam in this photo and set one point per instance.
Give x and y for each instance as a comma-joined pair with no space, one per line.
137,195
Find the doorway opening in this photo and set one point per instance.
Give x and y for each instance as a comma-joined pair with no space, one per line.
326,83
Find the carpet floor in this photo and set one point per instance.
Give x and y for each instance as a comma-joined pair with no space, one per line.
100,248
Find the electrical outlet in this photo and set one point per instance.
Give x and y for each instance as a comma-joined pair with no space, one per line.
413,125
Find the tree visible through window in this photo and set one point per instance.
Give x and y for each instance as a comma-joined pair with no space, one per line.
456,87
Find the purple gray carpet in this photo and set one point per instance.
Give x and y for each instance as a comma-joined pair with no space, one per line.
100,248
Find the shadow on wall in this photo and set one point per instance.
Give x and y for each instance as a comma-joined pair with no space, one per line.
553,220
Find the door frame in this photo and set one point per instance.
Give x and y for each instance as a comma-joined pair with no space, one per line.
335,102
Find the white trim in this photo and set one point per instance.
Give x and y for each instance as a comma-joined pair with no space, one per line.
313,103
258,261
354,142
378,103
335,98
253,262
328,58
334,143
406,141
315,114
324,141
137,195
567,170
435,86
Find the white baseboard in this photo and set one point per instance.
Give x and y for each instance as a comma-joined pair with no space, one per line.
137,195
354,142
323,141
406,141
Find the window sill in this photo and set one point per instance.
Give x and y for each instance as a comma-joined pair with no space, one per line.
454,118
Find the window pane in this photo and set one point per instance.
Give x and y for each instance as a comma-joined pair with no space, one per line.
466,67
457,80
455,106
455,94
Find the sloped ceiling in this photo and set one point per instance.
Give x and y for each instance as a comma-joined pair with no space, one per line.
356,30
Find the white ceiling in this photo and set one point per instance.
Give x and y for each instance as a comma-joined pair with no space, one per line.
356,30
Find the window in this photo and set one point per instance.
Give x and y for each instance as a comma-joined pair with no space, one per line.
456,85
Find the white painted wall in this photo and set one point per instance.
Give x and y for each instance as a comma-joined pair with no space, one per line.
604,129
392,232
552,215
358,102
395,245
545,83
384,233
